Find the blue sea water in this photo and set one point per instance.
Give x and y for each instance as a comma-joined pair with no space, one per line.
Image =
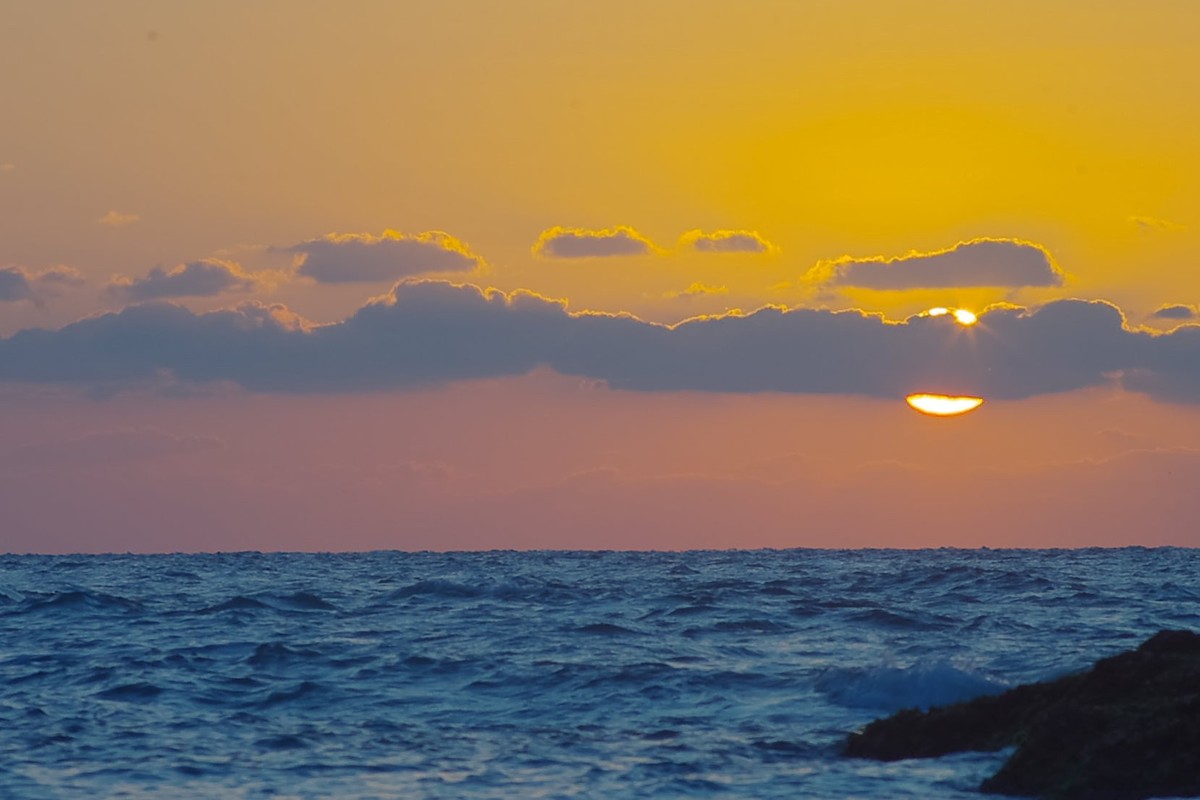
536,675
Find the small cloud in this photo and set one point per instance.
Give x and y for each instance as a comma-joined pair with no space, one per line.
61,275
1176,311
19,283
559,242
116,219
1153,224
728,242
979,262
696,290
7,167
363,258
204,278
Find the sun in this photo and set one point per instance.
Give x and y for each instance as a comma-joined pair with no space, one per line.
940,405
961,315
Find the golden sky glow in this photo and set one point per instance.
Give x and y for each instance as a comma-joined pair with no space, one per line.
866,130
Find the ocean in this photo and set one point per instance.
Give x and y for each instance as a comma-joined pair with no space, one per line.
731,674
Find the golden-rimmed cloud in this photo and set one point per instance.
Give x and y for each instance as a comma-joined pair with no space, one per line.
725,241
1176,311
204,278
985,262
392,256
622,240
430,332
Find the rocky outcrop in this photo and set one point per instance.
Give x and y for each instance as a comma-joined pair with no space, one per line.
1128,728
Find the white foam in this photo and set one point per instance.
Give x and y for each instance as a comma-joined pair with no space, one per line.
921,685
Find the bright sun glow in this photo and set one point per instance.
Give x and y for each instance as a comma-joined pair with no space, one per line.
961,315
940,405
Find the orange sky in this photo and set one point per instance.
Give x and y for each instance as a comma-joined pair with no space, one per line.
668,161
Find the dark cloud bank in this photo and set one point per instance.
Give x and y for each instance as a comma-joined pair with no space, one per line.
430,332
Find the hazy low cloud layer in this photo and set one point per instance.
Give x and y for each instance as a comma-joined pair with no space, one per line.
430,332
979,262
727,242
204,278
622,240
363,258
104,447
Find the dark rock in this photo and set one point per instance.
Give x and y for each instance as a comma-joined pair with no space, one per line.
1126,729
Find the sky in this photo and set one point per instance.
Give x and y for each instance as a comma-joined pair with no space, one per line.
364,275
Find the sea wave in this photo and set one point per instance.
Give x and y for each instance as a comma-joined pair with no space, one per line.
650,675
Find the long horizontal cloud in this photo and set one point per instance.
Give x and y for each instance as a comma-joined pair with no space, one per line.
363,258
622,240
979,262
205,278
430,332
727,242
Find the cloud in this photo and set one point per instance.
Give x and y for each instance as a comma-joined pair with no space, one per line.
1171,370
728,242
1176,311
1154,224
431,332
116,219
61,275
697,290
363,258
979,262
204,278
19,283
7,167
622,240
14,284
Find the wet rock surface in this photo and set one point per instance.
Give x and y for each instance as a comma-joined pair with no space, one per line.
1127,728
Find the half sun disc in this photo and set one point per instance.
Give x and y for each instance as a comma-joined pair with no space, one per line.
940,405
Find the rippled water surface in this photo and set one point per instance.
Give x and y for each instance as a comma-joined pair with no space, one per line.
639,675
